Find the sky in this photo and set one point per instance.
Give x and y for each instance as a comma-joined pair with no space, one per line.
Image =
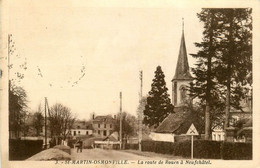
84,56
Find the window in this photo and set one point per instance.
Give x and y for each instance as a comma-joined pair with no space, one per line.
110,125
78,127
183,93
98,125
105,125
74,133
86,132
78,132
99,132
219,137
105,133
175,93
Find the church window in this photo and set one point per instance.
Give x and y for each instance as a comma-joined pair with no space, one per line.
183,93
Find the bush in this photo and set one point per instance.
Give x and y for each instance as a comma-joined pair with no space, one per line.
237,151
132,146
23,149
202,149
148,146
63,148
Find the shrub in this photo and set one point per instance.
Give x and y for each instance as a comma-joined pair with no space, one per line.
132,146
23,149
237,151
148,146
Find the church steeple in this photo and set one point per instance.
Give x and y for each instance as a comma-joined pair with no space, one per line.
182,68
182,76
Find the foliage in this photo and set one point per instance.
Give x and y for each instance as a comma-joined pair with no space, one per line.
129,124
61,120
223,72
237,151
17,109
158,105
38,120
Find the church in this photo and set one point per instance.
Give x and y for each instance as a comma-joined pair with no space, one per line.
174,127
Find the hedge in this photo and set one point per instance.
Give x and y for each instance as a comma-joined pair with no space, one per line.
202,149
23,149
132,146
237,151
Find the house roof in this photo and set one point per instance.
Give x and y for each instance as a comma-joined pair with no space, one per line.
180,121
112,137
107,119
82,125
182,71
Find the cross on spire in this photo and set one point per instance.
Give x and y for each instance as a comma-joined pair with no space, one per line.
182,25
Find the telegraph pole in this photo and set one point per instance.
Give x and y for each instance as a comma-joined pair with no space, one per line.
140,115
45,122
120,120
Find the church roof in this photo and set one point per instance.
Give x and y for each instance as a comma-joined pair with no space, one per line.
180,121
182,70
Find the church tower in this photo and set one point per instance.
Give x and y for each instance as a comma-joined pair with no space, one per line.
182,76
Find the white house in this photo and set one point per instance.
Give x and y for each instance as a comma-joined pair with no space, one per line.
81,128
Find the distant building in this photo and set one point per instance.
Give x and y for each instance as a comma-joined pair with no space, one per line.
103,125
81,128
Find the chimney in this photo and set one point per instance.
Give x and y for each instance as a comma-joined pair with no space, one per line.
93,116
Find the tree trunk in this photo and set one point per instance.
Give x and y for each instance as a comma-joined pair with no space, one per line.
209,83
229,74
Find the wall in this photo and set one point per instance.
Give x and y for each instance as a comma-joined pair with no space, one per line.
167,137
109,130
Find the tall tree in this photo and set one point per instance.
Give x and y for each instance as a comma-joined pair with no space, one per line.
204,85
158,105
224,69
236,56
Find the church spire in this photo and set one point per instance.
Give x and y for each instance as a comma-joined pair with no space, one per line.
182,68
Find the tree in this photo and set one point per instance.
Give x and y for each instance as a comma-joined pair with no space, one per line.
158,105
224,65
129,124
38,120
236,56
61,120
204,86
17,110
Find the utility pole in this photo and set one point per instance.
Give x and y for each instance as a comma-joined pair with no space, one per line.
120,120
140,120
45,122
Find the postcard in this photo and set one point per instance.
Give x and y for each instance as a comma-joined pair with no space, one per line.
129,83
